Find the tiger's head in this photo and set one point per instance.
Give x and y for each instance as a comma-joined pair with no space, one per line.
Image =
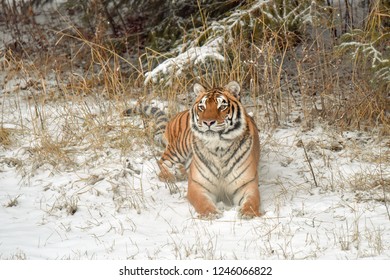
218,112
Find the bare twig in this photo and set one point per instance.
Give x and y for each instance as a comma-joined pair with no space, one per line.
310,166
382,181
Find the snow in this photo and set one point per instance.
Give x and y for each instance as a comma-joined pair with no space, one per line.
107,204
192,56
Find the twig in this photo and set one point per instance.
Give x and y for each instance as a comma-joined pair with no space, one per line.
385,200
382,181
311,168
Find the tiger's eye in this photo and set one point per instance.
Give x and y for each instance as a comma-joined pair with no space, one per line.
223,107
201,107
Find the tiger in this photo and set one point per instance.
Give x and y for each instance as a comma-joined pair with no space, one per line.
215,145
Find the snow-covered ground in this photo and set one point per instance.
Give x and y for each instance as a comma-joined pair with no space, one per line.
87,199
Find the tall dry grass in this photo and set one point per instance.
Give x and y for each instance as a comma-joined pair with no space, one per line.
286,76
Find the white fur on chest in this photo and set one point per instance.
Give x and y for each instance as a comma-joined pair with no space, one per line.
219,160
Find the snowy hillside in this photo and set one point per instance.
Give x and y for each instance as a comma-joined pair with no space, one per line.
108,205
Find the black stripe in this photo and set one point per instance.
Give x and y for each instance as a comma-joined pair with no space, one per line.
242,172
145,109
172,157
186,148
205,162
239,203
160,127
238,160
163,119
237,109
201,185
153,110
158,114
203,174
186,135
199,167
128,112
236,126
243,186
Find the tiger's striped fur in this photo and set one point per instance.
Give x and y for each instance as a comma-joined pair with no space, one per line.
159,116
174,136
216,142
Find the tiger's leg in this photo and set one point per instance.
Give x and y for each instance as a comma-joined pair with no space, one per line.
202,200
171,169
248,199
165,174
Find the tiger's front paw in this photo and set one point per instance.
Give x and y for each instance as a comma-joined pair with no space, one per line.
210,216
209,213
248,211
165,176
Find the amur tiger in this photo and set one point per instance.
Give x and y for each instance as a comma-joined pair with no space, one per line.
217,144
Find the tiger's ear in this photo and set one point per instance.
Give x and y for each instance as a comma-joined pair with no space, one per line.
234,88
198,89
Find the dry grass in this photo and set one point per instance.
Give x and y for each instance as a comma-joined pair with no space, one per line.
94,84
5,139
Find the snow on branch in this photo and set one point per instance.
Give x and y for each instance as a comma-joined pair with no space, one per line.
380,64
193,56
220,32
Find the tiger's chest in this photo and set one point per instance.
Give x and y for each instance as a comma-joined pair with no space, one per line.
220,163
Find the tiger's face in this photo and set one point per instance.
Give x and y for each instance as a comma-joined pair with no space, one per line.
218,112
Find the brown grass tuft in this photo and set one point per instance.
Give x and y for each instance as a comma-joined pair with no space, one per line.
5,139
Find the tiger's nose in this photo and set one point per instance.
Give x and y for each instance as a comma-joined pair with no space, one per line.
209,123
